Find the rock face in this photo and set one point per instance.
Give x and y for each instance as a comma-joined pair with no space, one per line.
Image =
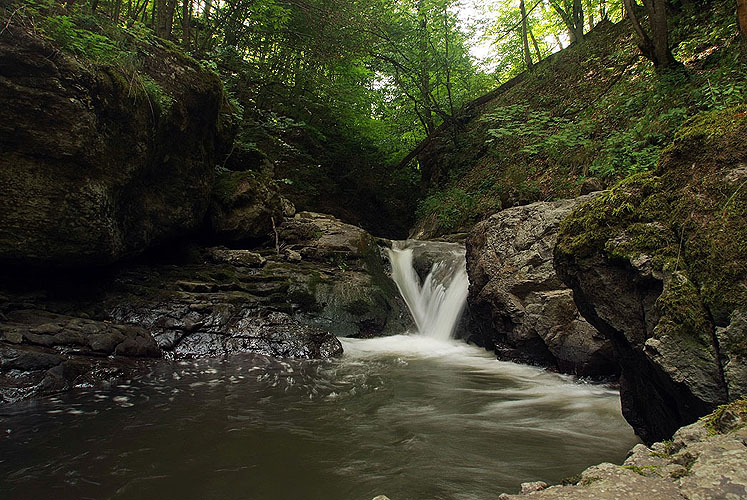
704,460
92,167
657,264
523,309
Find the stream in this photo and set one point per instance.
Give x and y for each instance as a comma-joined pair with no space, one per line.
413,417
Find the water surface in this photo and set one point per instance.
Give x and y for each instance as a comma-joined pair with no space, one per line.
406,416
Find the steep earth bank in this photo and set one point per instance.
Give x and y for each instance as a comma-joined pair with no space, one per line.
705,460
519,306
658,265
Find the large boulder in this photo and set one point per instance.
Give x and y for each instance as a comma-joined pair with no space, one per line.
338,277
523,309
246,205
658,265
97,164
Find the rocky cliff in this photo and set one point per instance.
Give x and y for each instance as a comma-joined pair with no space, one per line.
522,308
99,161
658,265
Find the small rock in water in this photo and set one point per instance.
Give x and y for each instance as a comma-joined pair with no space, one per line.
381,497
527,488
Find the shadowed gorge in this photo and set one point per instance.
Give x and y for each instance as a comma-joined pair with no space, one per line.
370,250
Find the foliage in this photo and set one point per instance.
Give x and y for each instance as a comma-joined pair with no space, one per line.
454,208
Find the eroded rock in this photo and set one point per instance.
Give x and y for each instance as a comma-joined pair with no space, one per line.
525,310
91,170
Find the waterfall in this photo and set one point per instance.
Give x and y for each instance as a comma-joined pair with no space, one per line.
437,304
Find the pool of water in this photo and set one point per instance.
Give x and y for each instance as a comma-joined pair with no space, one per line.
405,416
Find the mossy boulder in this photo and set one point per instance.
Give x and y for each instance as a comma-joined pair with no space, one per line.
98,162
245,205
658,264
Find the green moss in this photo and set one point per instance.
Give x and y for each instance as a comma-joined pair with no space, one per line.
727,418
589,480
682,312
688,217
646,470
571,480
708,124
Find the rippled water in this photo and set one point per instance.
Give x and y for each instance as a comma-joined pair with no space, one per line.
408,417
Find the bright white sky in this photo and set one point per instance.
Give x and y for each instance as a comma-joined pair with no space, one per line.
473,14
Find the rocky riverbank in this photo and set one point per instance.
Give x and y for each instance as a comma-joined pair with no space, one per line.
325,278
704,460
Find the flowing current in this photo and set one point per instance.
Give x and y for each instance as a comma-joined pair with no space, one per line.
414,417
437,304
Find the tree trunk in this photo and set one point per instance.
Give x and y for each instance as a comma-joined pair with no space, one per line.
208,8
578,20
524,37
165,17
742,19
657,18
656,46
424,76
186,19
536,46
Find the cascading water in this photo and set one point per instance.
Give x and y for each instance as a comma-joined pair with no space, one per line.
437,304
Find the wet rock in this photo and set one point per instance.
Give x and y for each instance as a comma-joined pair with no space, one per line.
90,172
223,329
51,352
523,309
342,285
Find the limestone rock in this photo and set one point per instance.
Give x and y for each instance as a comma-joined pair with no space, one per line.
524,308
700,463
90,170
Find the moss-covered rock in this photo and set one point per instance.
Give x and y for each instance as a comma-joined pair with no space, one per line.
98,160
245,205
658,264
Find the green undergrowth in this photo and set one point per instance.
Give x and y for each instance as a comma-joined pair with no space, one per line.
593,110
107,47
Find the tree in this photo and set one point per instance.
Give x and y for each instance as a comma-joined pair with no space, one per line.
524,37
164,17
655,46
742,19
572,14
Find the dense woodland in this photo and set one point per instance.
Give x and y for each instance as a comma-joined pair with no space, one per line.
337,94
